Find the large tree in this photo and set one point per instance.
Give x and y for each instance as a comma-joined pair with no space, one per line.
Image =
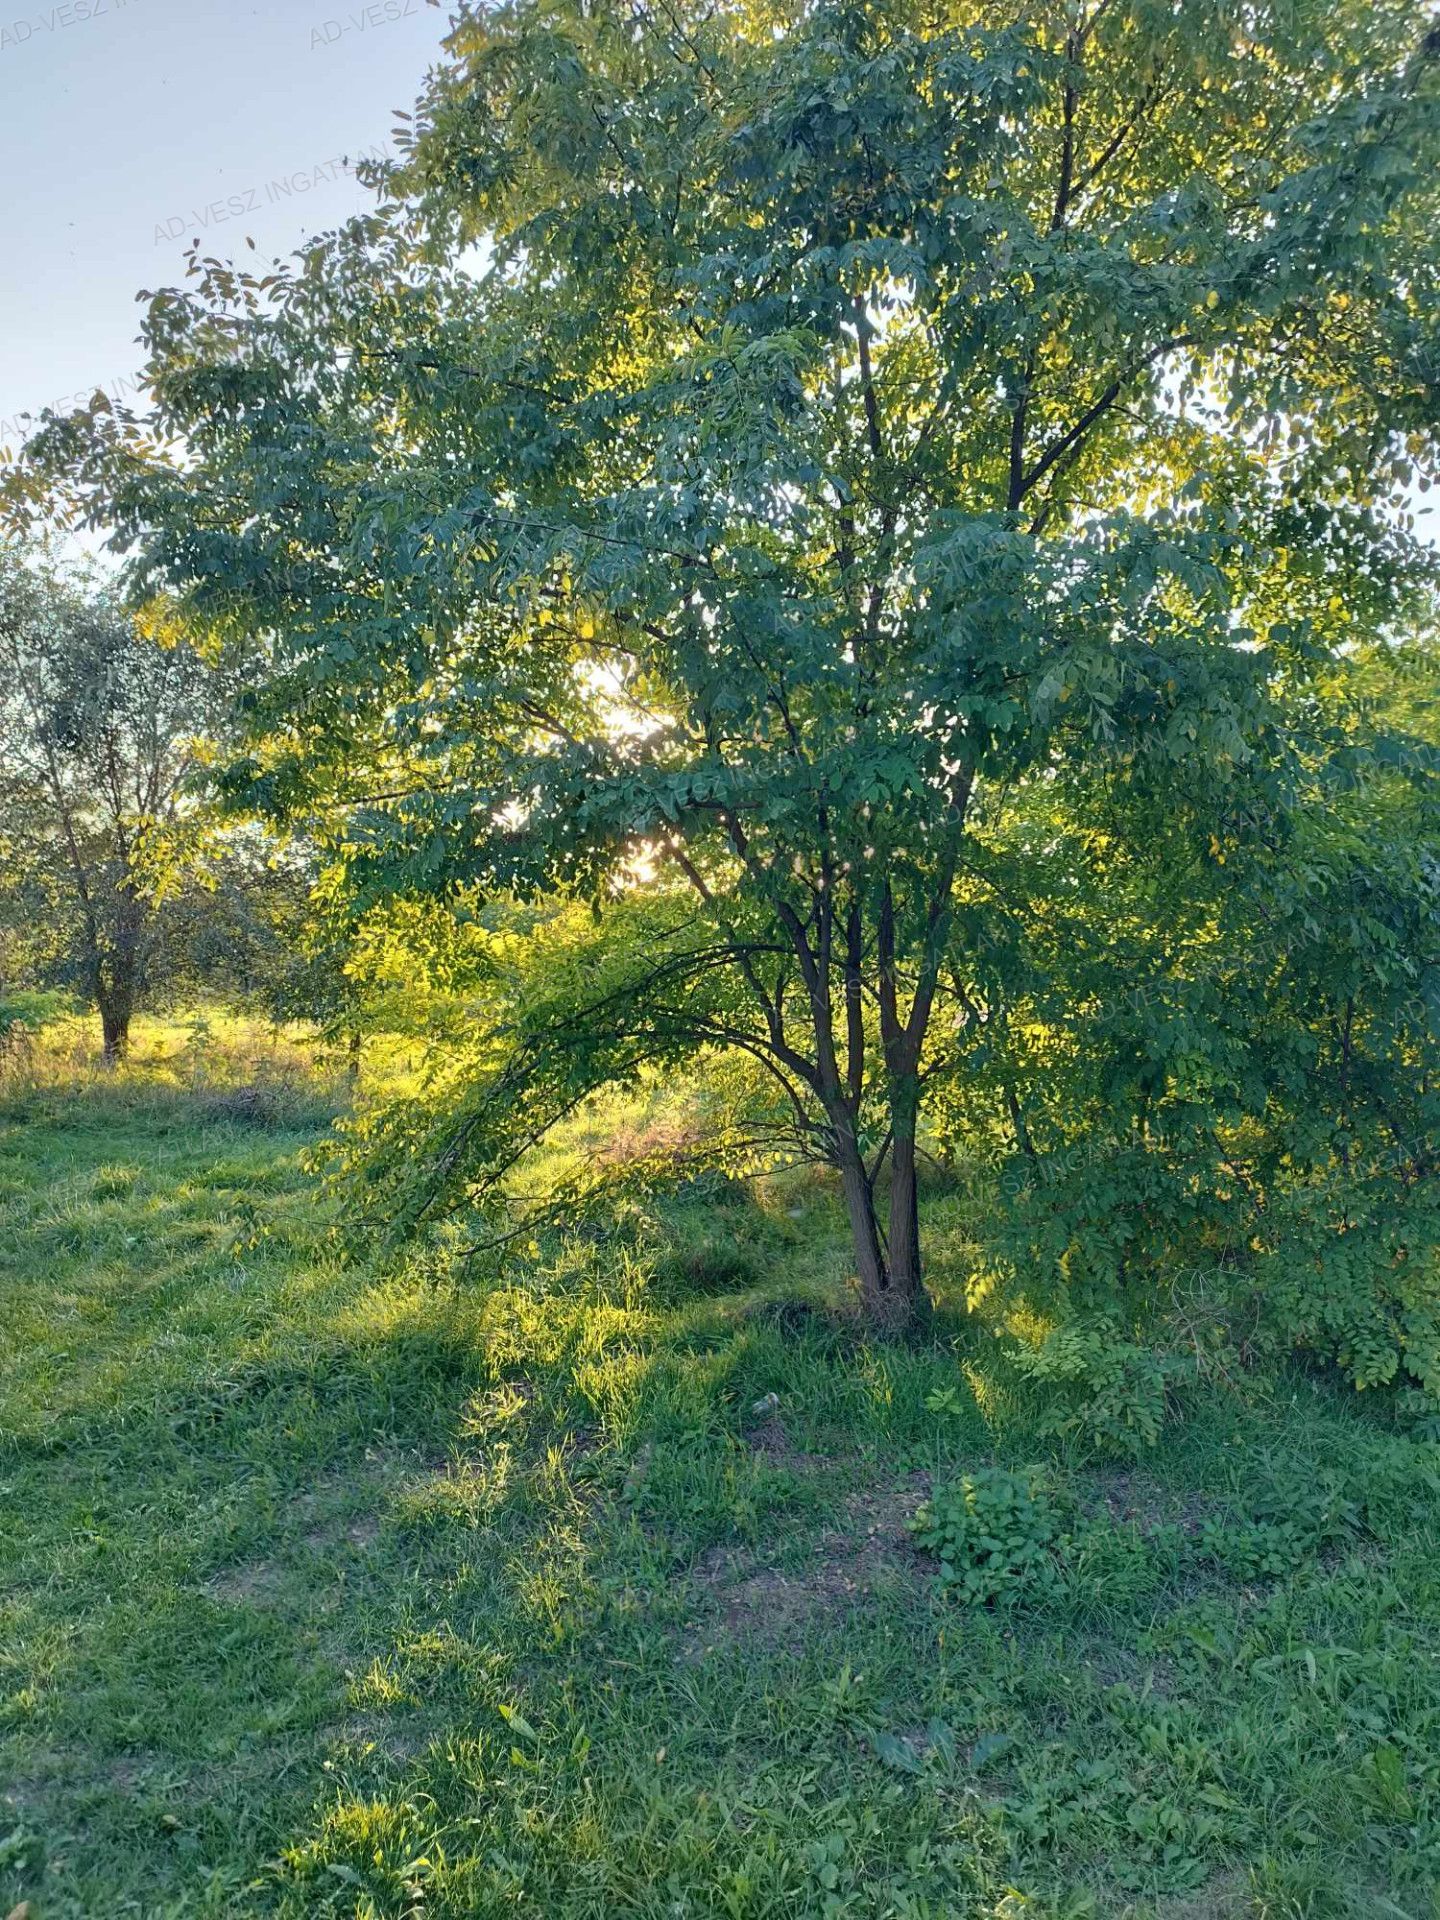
97,722
755,448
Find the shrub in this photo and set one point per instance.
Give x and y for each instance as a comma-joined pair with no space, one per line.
1350,1273
24,1012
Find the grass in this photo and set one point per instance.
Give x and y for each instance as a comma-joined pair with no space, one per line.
328,1592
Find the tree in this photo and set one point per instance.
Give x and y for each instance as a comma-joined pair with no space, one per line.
754,451
96,723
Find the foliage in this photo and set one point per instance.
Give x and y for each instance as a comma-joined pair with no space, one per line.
1354,1275
1095,1384
994,1533
1002,1537
1233,1101
897,483
23,1013
120,880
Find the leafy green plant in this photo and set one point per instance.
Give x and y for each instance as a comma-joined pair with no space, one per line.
1249,1550
995,1533
1288,1519
1348,1266
1096,1385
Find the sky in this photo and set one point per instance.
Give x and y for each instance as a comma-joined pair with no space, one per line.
130,127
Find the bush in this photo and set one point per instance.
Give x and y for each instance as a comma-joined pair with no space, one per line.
1348,1272
1337,1261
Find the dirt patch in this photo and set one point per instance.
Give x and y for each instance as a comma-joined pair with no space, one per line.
259,1583
255,1583
770,1442
127,1771
43,1795
744,1595
380,1736
24,1797
360,1533
885,1508
1133,1498
1225,1898
665,1139
326,1507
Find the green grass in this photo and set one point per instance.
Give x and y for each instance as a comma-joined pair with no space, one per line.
333,1594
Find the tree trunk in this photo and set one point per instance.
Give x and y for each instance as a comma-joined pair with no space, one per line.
115,1029
904,1238
891,1293
864,1231
116,974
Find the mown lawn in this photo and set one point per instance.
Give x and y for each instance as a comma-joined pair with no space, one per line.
329,1594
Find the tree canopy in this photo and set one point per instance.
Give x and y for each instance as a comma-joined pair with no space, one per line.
886,500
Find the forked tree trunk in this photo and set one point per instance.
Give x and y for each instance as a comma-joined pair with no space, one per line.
891,1288
864,1232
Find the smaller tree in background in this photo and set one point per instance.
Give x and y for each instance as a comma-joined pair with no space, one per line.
98,714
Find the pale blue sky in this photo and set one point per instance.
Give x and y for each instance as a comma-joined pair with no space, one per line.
127,127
